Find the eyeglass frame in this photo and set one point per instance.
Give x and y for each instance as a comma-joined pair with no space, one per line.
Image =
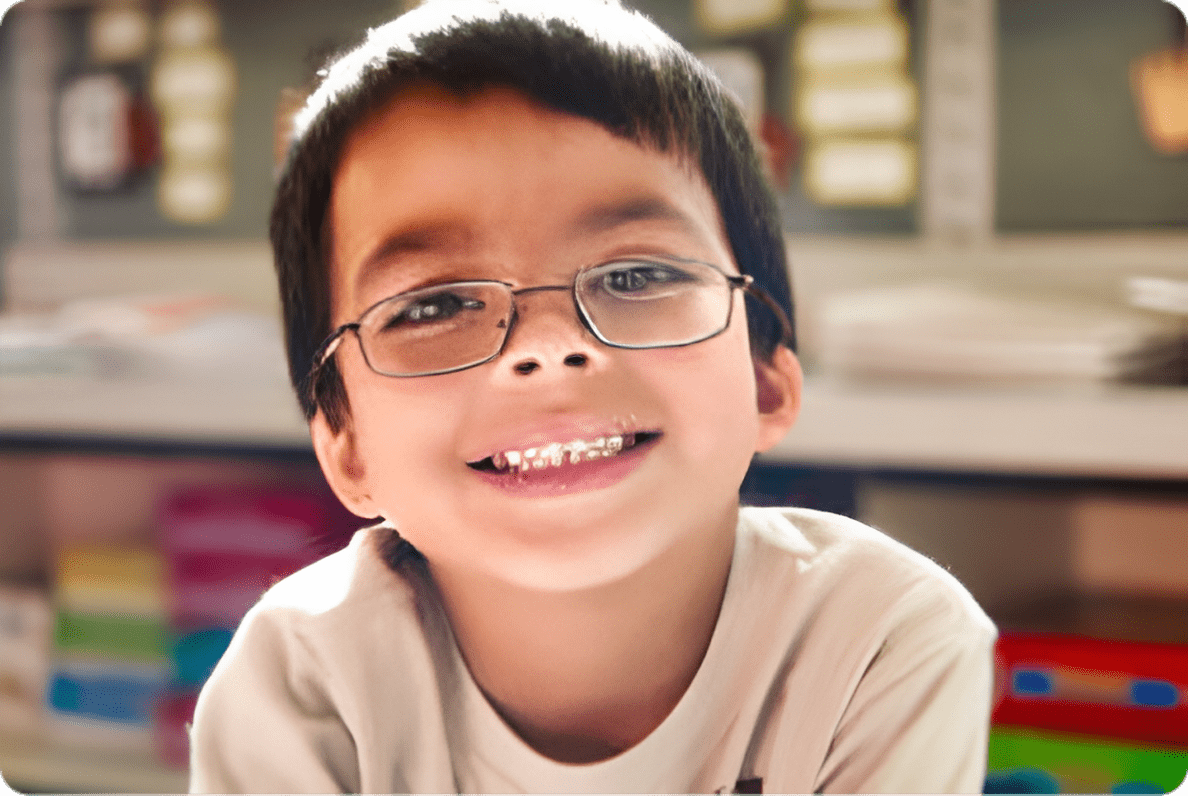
744,282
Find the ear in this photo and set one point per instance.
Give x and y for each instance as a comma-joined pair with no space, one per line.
338,454
778,385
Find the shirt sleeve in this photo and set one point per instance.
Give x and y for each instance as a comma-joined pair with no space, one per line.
919,718
264,723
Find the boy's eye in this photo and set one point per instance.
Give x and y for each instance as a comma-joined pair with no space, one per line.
643,280
429,309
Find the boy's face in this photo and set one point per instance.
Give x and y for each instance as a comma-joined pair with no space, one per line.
434,189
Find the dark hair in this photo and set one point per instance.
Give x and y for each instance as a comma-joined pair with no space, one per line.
590,58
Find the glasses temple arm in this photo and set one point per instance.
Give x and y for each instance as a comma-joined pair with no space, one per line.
321,356
787,333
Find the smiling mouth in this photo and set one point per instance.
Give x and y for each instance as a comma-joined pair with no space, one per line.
557,454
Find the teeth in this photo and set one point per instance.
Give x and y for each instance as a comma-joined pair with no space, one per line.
555,453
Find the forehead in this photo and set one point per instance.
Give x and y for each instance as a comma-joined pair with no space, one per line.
432,178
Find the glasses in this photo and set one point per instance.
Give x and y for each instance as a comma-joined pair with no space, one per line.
634,303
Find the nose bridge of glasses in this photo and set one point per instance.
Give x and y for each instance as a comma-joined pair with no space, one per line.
520,316
541,289
518,293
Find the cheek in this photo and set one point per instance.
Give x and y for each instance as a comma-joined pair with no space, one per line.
403,426
711,391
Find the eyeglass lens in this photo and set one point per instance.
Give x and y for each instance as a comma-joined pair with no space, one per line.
629,304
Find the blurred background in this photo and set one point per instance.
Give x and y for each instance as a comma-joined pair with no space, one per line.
986,206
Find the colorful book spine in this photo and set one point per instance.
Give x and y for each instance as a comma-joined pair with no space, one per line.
110,645
224,547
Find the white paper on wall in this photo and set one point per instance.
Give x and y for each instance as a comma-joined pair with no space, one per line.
861,172
878,103
852,44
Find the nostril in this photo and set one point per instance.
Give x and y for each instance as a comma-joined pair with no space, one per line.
576,360
527,367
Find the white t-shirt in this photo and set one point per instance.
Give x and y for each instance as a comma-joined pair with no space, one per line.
842,661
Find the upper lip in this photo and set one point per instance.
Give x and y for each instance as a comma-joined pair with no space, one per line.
563,433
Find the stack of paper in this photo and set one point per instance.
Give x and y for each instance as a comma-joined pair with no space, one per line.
951,332
196,338
1158,293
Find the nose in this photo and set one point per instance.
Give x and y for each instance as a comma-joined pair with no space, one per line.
548,333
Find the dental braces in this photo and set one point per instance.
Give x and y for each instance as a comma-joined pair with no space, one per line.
556,454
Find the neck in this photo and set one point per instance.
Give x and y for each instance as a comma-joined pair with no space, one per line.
584,675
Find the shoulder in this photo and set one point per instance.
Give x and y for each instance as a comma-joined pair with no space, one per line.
338,592
868,642
313,639
833,559
305,671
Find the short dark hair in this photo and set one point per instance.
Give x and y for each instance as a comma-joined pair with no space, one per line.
591,58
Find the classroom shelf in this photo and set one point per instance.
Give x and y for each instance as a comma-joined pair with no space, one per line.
263,415
48,767
1110,431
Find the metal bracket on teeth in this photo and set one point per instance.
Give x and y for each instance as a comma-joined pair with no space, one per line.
555,454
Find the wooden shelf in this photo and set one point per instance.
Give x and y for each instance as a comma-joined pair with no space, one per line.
203,414
1107,431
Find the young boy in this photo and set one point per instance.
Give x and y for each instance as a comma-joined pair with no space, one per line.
528,265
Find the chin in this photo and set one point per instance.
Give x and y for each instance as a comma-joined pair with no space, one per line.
583,565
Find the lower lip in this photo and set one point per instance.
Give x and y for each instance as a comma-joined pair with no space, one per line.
570,479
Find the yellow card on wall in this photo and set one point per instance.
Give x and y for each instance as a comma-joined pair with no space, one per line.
873,103
848,6
872,43
1159,82
738,16
856,172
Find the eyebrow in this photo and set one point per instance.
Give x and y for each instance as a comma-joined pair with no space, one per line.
434,235
602,218
610,216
